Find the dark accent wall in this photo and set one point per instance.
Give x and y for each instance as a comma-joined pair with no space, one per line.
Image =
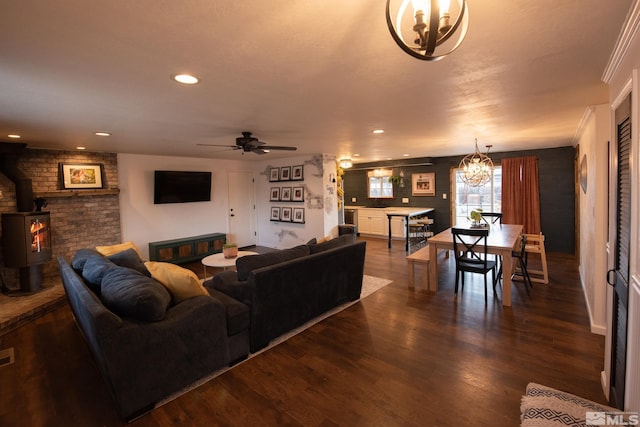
555,175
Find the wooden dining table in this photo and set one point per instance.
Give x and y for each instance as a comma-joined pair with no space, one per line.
501,241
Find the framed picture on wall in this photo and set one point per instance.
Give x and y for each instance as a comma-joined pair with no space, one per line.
285,214
298,215
274,194
423,184
76,175
298,194
274,174
285,173
285,194
275,214
297,173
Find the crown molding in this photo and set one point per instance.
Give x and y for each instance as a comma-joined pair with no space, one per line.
628,32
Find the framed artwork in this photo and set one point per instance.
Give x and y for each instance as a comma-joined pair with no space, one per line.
274,174
298,194
285,214
297,173
275,214
274,194
298,214
285,173
423,184
285,194
78,175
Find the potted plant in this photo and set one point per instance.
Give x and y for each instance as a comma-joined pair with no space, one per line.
230,250
475,216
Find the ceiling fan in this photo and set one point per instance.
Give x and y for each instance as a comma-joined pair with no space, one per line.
248,143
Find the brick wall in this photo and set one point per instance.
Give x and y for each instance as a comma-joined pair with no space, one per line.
79,221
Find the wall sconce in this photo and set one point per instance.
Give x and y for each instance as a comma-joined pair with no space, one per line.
428,26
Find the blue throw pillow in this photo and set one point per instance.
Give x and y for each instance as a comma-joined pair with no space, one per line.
80,257
129,293
246,264
94,270
130,259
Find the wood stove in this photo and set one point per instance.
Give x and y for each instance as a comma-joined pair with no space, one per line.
26,241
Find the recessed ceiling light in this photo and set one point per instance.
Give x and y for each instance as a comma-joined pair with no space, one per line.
103,134
405,155
186,79
356,155
81,148
377,131
14,136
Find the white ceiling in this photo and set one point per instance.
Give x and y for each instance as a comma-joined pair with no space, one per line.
315,74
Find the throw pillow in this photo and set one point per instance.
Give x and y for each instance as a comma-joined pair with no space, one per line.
247,264
180,282
129,293
81,256
129,258
94,270
114,249
345,239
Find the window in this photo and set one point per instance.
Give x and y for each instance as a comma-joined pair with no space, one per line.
465,198
378,184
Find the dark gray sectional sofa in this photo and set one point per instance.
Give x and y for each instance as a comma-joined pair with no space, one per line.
287,288
148,347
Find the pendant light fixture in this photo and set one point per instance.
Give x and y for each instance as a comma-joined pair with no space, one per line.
477,168
427,25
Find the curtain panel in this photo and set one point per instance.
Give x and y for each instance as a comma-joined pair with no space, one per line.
520,193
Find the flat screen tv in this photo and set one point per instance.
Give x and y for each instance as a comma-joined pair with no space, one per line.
181,187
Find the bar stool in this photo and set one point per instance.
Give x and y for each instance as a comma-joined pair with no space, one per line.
535,245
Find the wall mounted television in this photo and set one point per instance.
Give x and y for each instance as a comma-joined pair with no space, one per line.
181,187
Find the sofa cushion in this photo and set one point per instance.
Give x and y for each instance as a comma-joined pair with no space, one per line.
238,314
95,268
80,257
114,249
129,293
247,264
345,239
129,258
181,283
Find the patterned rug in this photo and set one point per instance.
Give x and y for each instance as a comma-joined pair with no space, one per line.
547,407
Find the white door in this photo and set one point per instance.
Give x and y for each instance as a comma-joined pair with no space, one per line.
242,209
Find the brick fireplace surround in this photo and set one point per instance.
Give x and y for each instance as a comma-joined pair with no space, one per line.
79,218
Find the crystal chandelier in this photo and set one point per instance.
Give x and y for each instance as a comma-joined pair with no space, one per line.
428,26
477,168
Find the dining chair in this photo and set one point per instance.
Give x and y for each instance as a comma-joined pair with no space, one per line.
520,255
470,251
492,217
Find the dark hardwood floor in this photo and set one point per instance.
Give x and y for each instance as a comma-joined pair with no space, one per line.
400,357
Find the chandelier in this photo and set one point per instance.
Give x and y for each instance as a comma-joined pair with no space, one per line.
345,163
477,168
428,26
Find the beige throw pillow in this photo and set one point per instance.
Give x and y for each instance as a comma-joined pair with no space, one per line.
114,249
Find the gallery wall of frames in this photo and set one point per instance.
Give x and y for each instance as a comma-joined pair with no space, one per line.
287,194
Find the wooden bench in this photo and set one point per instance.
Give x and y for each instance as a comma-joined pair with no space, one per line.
419,257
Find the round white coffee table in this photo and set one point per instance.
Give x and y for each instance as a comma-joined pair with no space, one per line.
218,260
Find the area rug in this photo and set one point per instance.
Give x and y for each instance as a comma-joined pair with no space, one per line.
544,406
370,284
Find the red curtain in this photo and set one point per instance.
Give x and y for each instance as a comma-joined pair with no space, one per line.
520,195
